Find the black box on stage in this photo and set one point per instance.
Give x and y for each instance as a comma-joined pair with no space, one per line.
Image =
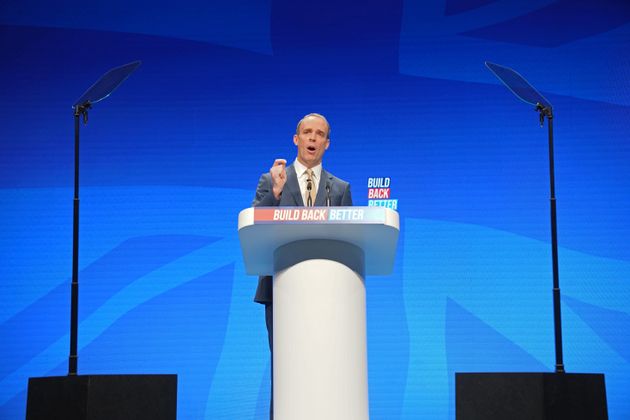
102,397
530,396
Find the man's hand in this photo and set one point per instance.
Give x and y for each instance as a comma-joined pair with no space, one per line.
278,176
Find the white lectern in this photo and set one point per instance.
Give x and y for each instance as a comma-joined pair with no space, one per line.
319,257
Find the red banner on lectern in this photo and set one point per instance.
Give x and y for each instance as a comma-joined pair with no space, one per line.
318,215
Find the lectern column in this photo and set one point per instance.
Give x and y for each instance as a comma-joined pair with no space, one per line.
320,356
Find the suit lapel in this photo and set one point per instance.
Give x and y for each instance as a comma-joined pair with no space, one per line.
320,199
293,186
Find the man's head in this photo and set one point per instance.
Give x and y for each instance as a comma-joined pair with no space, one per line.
312,138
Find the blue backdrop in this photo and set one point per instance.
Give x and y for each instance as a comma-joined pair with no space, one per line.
172,156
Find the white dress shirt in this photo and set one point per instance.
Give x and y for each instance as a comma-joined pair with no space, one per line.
300,171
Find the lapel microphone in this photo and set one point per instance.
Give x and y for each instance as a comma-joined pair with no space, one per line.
327,194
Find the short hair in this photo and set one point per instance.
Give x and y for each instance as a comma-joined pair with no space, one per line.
313,114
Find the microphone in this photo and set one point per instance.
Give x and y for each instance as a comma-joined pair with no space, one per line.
327,194
309,187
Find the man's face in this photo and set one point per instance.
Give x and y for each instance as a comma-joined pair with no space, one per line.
311,141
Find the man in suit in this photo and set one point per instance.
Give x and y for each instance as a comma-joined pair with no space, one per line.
304,182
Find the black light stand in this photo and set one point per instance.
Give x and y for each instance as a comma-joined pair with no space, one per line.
533,396
79,111
547,111
97,397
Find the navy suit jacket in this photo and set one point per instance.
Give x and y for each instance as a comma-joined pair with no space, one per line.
338,192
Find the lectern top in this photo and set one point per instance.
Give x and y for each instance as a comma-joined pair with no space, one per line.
264,229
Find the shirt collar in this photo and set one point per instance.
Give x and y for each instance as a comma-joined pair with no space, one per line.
300,169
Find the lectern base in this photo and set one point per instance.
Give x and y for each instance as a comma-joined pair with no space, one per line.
530,396
319,336
102,397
